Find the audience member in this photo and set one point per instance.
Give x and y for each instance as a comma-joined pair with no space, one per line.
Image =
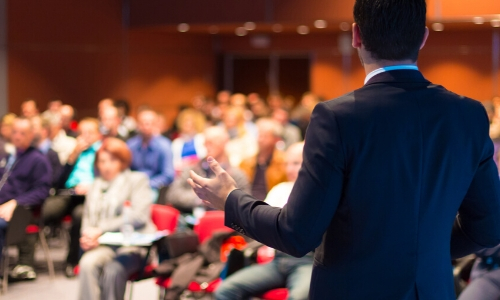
258,107
53,108
221,107
104,270
181,195
67,113
76,179
128,123
6,132
110,121
151,152
62,144
25,181
485,277
29,109
188,148
275,101
265,170
285,270
301,115
242,144
41,141
291,133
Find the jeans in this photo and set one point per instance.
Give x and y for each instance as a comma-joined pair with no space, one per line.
104,272
484,285
284,271
3,231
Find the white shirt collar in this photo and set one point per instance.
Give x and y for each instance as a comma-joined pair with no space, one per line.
389,68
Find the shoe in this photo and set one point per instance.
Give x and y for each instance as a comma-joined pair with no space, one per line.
23,272
69,271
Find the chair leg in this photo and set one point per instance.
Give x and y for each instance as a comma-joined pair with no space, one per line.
5,268
46,252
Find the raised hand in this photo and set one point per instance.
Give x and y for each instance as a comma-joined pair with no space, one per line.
214,191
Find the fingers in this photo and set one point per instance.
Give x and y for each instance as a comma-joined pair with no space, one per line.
214,165
198,190
200,181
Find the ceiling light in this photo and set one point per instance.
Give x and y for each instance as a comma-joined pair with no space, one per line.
303,29
437,26
240,31
495,23
249,26
213,29
478,20
320,24
344,26
277,28
183,27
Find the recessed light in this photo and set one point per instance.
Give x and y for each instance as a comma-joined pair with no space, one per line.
495,23
303,29
344,26
241,31
320,24
183,27
277,28
213,29
437,26
478,20
249,26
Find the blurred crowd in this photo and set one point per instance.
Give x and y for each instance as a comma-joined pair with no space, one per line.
85,169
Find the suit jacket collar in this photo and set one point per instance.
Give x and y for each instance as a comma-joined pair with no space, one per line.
398,76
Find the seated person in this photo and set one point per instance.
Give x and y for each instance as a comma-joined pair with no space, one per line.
188,148
62,143
75,180
41,141
6,132
242,144
484,281
285,270
104,270
151,152
181,195
111,122
25,180
265,170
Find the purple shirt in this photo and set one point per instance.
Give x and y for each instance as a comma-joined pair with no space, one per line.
29,180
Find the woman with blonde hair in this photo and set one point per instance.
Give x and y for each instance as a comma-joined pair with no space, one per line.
189,147
243,143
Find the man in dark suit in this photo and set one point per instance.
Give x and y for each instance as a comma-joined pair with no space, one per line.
386,169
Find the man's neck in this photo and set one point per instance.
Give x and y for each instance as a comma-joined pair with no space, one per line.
372,65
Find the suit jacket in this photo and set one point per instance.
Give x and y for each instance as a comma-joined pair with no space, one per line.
386,169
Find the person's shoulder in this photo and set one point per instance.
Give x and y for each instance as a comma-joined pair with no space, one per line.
134,140
162,141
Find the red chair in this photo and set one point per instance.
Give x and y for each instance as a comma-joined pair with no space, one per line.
265,254
212,221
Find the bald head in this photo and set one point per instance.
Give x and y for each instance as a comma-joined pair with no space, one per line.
293,161
22,133
216,138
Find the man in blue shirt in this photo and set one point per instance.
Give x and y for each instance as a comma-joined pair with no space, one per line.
151,152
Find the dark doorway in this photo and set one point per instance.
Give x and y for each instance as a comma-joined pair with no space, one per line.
288,75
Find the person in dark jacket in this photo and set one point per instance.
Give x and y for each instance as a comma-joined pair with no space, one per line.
398,176
25,180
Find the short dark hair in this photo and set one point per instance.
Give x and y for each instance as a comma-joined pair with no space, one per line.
391,29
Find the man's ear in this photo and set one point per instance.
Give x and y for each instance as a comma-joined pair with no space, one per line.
426,35
356,36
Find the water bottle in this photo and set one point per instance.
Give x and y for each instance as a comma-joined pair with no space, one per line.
127,226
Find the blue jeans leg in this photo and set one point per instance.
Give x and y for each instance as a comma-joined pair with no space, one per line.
3,231
299,281
250,281
486,287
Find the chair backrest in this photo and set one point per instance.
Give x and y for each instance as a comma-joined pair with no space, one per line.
164,217
210,222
